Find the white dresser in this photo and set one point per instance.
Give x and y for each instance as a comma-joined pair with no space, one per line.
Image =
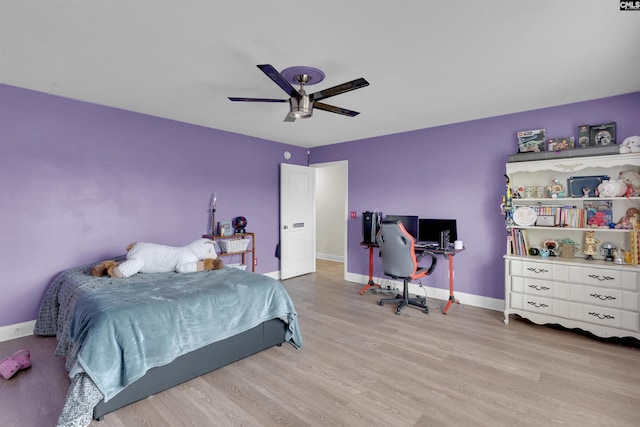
586,295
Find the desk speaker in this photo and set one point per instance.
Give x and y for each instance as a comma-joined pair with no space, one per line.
370,226
445,239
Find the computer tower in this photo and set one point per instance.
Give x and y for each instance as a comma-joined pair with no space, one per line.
370,226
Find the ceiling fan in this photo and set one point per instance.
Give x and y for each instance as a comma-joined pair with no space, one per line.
301,105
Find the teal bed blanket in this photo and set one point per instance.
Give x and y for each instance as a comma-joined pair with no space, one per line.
115,330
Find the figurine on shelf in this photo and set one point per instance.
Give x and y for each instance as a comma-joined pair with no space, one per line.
240,224
516,192
586,191
557,190
590,243
551,246
507,204
568,248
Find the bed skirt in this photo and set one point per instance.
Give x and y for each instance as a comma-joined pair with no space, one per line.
196,363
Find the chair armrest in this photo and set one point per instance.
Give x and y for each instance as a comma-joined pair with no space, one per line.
434,261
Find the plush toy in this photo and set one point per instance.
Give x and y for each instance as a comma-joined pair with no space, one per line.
144,257
626,222
630,145
107,266
632,179
612,188
597,220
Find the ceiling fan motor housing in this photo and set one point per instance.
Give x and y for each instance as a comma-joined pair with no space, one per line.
301,107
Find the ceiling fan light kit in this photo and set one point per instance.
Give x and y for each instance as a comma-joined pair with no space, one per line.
301,105
300,108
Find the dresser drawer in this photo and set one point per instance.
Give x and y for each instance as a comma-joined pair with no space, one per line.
539,287
611,317
538,304
605,297
540,270
612,278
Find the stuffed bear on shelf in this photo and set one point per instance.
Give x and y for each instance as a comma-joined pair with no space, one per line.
142,257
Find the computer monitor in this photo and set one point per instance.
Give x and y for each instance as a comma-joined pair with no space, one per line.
429,229
410,223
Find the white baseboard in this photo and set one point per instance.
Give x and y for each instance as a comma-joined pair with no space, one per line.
330,257
437,293
17,330
273,274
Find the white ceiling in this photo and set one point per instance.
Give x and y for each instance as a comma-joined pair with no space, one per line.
428,63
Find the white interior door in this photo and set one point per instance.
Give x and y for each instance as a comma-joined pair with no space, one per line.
297,220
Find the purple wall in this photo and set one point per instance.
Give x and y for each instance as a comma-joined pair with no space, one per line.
456,171
78,182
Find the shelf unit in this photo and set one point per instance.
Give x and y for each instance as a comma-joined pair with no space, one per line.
243,254
594,295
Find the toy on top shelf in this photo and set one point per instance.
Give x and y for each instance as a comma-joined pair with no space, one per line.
630,145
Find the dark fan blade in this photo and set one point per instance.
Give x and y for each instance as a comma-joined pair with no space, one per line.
258,99
336,90
279,79
332,109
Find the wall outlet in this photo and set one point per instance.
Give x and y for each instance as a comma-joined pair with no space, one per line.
255,261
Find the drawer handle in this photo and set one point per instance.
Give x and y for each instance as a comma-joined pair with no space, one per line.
537,304
600,278
601,316
537,270
602,297
539,287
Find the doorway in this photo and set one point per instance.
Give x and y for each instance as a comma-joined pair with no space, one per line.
331,213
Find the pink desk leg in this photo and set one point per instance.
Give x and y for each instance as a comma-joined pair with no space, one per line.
370,283
452,299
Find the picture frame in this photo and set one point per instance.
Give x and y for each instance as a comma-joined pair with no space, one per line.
545,221
561,144
225,229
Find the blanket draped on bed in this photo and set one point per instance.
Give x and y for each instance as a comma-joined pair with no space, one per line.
115,330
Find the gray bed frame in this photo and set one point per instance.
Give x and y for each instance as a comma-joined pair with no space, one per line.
196,363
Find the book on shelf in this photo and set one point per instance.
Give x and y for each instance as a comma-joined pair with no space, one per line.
517,242
563,216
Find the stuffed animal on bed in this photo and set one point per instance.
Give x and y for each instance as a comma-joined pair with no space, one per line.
144,257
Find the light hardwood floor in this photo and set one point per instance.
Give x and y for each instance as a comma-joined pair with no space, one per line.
363,365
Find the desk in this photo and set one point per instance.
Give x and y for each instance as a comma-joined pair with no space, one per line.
447,253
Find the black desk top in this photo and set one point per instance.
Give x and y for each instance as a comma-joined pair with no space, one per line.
437,251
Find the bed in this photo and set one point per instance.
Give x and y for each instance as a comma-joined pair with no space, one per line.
126,339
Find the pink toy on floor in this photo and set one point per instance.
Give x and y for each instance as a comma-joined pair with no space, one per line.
19,361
